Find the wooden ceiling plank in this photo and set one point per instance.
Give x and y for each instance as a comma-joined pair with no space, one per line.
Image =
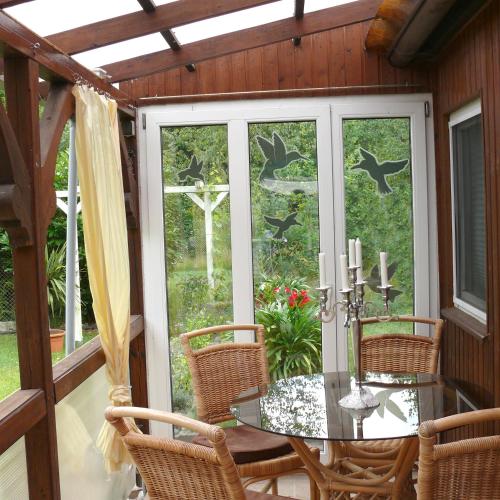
54,65
315,22
128,26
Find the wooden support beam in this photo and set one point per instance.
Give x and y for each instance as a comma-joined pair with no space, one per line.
30,282
58,110
299,9
129,183
10,3
18,414
15,189
128,26
286,29
54,65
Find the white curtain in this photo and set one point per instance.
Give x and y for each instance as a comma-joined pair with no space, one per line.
106,247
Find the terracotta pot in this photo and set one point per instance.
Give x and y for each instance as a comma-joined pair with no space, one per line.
56,340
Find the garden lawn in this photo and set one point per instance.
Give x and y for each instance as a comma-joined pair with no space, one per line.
9,361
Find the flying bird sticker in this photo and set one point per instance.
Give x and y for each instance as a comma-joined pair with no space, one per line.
378,172
193,171
282,225
276,156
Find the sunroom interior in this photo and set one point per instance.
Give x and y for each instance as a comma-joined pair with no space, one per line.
327,169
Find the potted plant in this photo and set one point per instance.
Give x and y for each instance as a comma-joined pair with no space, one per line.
293,331
55,266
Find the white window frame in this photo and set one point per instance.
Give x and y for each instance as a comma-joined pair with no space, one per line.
237,115
463,114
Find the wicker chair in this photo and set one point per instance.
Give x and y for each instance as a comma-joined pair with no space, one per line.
175,470
467,469
396,353
220,372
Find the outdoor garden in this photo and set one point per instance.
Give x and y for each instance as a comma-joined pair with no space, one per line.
55,256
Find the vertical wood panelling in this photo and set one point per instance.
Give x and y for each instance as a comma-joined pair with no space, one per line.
333,58
469,68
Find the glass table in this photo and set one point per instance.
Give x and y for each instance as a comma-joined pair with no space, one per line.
306,407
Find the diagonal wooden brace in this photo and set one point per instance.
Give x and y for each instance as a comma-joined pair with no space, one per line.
15,189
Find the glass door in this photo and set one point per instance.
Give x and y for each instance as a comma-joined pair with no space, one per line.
237,200
381,187
237,211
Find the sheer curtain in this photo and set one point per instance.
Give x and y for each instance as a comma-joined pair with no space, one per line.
106,247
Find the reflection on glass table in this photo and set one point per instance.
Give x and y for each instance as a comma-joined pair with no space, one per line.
306,407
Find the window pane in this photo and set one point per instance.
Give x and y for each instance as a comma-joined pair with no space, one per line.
197,242
13,472
379,208
470,230
285,243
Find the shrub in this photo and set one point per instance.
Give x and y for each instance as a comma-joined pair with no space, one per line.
293,331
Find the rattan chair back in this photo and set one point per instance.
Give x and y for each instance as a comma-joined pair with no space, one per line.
462,469
220,372
176,470
402,353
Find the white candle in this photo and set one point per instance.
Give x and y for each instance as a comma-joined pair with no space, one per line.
384,281
359,261
343,272
322,270
352,253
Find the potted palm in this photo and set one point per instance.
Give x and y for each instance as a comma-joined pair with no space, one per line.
55,266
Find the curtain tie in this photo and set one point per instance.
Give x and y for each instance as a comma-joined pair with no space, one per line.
120,395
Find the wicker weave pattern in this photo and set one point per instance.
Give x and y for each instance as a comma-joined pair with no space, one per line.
397,353
467,469
175,470
219,374
172,476
224,373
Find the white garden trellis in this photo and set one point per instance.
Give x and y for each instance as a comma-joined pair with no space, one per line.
208,206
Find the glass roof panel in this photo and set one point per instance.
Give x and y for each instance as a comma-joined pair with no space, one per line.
247,19
46,17
123,50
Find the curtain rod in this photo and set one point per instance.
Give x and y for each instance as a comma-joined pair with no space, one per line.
283,91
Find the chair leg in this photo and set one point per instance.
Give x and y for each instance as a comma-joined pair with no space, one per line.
274,486
313,489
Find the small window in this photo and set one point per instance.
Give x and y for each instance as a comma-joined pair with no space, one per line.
468,205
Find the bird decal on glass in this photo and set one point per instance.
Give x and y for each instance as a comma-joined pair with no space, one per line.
282,225
374,280
379,171
193,171
276,156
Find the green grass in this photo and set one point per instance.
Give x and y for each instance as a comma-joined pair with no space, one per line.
9,361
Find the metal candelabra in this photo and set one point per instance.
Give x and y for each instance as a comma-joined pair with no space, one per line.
353,304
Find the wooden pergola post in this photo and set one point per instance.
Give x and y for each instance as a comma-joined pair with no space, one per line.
30,281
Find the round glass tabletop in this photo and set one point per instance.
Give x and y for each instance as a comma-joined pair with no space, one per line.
307,406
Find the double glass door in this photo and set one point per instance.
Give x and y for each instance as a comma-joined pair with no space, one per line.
236,206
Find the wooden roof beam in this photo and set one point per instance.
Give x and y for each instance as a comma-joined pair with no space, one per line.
10,3
299,14
168,35
128,26
286,29
54,65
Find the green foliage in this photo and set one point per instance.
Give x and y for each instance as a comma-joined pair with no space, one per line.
293,331
55,267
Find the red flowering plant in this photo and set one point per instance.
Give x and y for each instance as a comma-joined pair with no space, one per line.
293,331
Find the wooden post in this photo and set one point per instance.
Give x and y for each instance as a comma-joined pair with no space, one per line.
30,283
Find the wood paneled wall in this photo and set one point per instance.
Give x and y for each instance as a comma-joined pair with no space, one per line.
468,69
334,58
